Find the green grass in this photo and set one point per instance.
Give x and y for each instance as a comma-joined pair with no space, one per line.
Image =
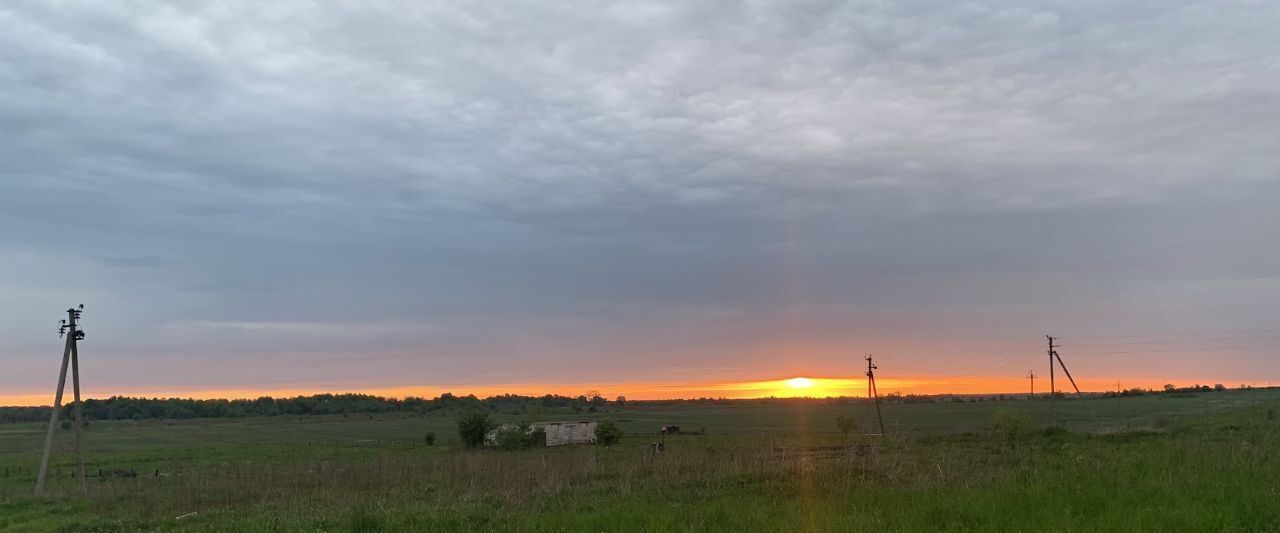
1200,463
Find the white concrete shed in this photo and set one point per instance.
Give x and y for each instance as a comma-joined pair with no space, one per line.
561,433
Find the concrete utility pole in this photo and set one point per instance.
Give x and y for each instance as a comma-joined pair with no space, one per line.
872,392
69,328
1053,354
1031,375
1053,421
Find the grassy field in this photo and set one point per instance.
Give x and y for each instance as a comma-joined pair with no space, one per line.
1185,462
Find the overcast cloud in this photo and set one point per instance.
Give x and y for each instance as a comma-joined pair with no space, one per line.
249,194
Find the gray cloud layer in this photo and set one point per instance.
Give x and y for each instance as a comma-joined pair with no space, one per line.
417,192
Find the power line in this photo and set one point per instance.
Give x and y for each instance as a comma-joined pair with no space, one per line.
963,372
1001,358
960,371
1210,349
1179,341
1183,334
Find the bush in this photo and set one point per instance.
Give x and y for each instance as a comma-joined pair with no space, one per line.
430,438
518,437
608,433
472,428
509,437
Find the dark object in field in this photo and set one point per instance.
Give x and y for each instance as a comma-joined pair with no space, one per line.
117,472
659,447
669,430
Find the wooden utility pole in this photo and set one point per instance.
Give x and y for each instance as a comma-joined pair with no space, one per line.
873,393
69,328
1031,375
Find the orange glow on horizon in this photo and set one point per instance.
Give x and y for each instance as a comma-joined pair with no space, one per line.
792,387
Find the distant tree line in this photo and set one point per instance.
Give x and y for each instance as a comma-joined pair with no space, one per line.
129,408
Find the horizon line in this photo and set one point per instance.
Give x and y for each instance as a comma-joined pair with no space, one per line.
406,393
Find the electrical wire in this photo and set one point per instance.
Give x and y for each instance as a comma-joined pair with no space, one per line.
1212,349
959,371
1182,334
1178,341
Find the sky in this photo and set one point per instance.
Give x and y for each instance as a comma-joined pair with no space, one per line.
654,199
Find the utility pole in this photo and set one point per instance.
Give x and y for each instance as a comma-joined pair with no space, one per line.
1053,354
70,328
872,392
1053,421
1031,375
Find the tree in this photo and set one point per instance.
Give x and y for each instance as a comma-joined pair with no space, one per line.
608,433
846,424
472,428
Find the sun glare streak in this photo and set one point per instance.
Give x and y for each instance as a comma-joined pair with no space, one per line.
797,387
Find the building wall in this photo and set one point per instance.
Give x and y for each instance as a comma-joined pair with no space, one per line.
561,433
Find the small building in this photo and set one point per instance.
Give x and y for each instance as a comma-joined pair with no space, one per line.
561,433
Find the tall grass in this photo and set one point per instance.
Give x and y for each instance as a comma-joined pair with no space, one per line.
1217,473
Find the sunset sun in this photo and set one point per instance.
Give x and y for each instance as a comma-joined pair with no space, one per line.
800,383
